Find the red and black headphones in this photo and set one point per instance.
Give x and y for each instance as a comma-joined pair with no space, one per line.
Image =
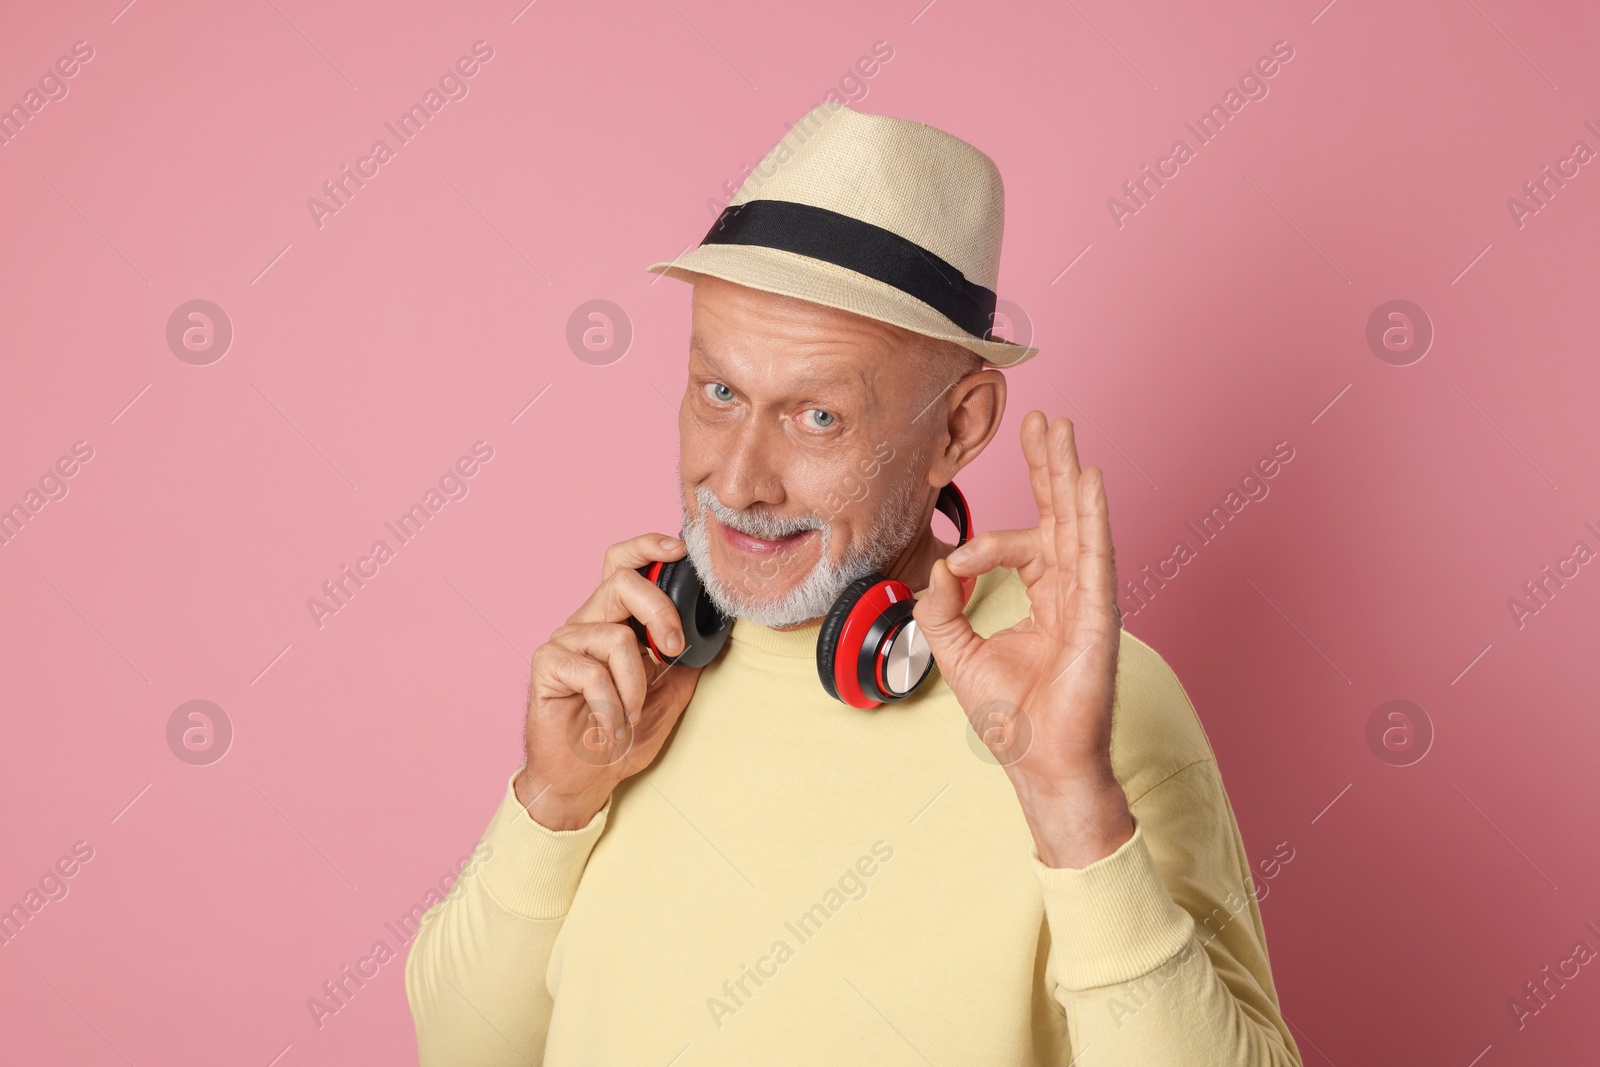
870,650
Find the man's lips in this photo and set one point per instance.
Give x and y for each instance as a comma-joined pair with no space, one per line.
755,545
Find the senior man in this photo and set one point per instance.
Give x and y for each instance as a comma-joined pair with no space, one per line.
1028,858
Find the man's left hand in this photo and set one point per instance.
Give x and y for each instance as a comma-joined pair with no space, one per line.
1040,693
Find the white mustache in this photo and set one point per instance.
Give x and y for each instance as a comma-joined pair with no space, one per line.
760,525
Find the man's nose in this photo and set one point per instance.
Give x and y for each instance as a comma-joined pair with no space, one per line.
748,468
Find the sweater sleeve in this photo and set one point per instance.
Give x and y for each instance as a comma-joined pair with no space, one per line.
1158,957
475,975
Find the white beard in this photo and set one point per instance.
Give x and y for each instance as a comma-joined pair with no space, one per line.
894,528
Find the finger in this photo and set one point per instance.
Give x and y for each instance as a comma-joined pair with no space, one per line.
615,645
1034,449
628,594
1097,571
996,548
1063,455
562,672
637,551
938,612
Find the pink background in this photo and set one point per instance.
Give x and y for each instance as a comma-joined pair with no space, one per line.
369,354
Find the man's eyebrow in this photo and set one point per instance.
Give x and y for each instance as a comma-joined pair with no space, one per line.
698,348
859,387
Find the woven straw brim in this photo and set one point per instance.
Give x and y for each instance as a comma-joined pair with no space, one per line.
772,270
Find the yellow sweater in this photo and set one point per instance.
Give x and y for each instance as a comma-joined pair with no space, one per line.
795,881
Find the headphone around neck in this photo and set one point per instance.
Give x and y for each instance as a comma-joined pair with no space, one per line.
870,650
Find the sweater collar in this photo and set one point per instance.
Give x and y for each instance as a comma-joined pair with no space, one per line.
797,643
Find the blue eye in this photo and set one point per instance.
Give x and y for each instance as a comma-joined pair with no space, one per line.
822,420
719,392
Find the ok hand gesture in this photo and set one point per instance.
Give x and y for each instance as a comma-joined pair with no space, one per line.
1040,693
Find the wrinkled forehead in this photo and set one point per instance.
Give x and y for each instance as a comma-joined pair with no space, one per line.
775,373
777,346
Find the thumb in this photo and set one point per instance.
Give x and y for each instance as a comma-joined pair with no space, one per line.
939,614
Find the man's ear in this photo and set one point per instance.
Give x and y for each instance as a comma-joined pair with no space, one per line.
973,410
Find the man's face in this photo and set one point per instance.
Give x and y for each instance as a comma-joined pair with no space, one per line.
803,442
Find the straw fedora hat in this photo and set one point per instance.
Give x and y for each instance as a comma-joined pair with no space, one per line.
884,217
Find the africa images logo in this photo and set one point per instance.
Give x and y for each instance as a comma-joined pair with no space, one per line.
453,85
453,484
1252,85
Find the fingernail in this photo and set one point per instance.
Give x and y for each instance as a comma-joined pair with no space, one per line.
673,644
958,556
670,543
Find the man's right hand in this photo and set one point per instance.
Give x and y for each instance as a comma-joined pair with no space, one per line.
599,708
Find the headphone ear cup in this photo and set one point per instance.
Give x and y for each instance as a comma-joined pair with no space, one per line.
833,626
705,629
